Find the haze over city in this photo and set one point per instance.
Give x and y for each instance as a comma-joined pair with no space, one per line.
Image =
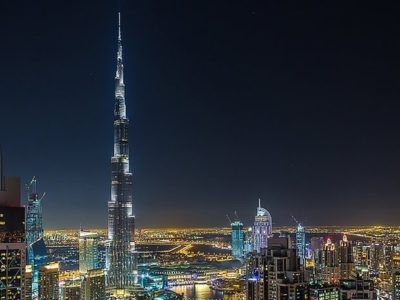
291,103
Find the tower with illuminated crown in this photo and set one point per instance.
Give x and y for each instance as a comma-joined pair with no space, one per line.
262,228
120,264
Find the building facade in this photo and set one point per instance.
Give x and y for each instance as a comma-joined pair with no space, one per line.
345,258
327,265
93,285
237,239
275,273
262,229
301,243
88,251
48,281
12,238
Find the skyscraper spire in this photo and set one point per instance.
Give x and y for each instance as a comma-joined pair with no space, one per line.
120,108
119,27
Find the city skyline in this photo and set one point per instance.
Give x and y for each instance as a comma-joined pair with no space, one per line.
301,117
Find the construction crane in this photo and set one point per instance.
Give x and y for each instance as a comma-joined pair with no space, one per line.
31,187
294,219
229,219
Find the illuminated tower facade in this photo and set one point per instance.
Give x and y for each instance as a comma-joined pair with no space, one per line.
237,239
88,251
262,228
34,219
37,252
120,264
301,243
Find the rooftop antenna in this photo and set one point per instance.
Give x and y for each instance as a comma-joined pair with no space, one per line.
259,202
236,215
2,184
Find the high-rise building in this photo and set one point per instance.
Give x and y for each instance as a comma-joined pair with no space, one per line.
48,281
345,258
237,239
327,266
120,264
34,219
248,241
37,252
88,251
12,238
301,243
93,285
276,273
262,228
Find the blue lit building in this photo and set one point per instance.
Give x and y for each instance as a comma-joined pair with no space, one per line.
237,239
248,238
301,243
37,252
262,229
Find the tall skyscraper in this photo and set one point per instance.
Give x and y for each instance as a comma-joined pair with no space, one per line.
345,258
48,281
88,251
276,273
37,252
237,239
327,265
12,238
34,219
121,266
262,228
301,243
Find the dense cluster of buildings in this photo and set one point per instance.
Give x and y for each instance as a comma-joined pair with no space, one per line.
287,266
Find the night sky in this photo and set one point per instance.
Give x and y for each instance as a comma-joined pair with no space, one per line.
293,102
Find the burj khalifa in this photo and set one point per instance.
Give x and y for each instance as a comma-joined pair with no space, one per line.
120,265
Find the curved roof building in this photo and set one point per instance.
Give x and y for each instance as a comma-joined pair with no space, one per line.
262,228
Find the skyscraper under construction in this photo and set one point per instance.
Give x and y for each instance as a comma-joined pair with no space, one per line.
37,252
121,266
